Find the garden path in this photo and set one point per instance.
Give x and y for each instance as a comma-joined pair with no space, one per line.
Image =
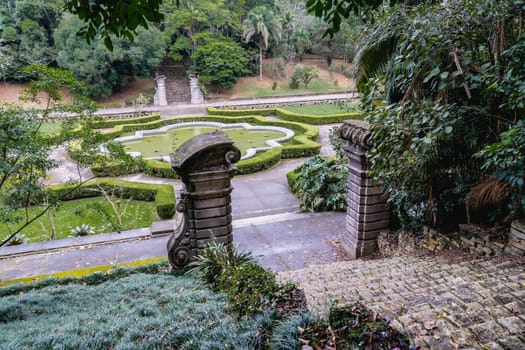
447,301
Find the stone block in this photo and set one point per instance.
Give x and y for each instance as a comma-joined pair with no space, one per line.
210,213
210,223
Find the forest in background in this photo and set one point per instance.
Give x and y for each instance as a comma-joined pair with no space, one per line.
219,40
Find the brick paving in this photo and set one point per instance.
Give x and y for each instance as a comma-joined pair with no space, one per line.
444,301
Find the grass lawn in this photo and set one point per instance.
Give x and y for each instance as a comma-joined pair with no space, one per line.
316,86
164,144
49,128
81,211
323,109
123,311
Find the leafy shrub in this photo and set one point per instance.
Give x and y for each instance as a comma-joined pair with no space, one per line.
250,288
507,159
274,86
321,184
82,230
304,74
294,82
337,142
214,260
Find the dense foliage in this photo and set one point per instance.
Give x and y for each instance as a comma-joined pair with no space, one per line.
452,78
122,39
321,184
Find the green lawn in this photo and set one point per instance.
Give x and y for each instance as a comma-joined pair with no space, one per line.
316,86
161,145
50,128
81,211
323,109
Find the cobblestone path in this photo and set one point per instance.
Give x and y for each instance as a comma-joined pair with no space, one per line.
444,301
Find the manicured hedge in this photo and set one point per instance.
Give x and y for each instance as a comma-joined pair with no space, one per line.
263,160
287,115
109,123
163,195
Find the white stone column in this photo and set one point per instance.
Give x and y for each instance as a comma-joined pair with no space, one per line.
195,90
161,90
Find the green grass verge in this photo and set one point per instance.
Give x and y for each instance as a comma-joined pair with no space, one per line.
73,213
79,273
323,109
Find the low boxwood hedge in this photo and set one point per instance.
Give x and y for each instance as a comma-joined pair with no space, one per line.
162,195
302,145
289,116
110,123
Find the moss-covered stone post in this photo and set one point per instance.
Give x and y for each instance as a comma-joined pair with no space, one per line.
205,166
367,210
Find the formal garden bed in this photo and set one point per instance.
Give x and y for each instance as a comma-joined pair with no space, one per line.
301,145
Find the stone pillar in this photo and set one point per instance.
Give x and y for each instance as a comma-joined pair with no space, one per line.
160,80
367,210
205,165
195,90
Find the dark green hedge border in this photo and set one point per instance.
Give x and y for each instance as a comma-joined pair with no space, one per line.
289,116
301,145
162,195
110,123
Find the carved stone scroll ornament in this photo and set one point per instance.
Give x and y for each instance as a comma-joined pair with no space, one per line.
357,133
179,252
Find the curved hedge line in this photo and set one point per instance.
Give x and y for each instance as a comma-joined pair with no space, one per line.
301,145
289,116
162,195
109,123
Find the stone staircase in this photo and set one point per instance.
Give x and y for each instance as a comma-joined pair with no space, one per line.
177,83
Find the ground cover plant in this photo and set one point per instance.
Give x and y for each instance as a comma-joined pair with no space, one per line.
144,308
71,214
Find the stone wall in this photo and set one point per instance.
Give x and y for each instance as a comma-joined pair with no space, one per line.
516,244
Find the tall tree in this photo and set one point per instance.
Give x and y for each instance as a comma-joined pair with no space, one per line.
261,24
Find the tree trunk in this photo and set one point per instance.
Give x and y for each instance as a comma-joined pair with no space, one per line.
260,63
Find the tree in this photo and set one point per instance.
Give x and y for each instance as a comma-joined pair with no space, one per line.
105,71
448,96
24,151
305,74
260,23
220,61
120,18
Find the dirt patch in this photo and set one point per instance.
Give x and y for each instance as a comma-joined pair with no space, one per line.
10,92
267,81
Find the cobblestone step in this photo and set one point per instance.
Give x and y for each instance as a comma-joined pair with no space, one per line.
444,303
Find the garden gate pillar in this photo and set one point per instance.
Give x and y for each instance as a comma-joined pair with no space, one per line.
205,166
367,210
161,90
195,90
